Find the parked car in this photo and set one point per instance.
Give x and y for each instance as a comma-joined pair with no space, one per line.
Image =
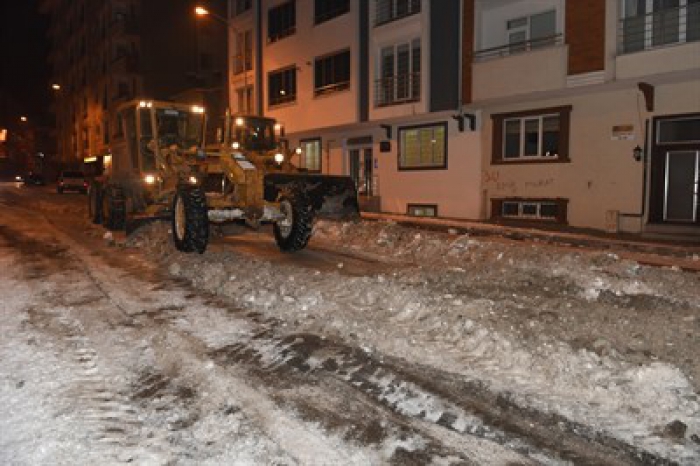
33,179
71,180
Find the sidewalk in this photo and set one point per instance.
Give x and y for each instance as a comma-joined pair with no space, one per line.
685,256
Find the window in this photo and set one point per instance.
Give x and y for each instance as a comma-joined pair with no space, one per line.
554,210
244,52
682,130
282,86
244,97
422,147
310,157
281,21
422,210
391,10
539,136
241,6
530,32
332,73
325,10
651,23
400,74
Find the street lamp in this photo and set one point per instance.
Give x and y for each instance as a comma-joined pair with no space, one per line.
56,87
23,119
202,11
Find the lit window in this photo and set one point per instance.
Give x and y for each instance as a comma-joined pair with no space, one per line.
310,157
423,147
282,86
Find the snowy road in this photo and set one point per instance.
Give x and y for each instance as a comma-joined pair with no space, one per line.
114,354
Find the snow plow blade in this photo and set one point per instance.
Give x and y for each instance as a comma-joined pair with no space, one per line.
331,196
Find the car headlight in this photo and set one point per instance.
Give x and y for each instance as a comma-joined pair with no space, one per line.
149,179
193,179
279,157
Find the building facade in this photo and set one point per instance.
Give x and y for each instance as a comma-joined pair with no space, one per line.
109,51
582,113
591,111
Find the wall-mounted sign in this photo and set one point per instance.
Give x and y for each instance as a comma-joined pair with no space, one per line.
623,132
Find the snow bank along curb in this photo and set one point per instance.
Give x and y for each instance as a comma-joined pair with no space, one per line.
417,315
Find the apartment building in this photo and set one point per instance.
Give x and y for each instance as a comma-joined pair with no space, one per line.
105,52
591,111
369,89
583,113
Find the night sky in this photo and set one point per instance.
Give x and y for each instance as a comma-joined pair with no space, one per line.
24,71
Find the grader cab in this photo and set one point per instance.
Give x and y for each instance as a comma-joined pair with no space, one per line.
153,153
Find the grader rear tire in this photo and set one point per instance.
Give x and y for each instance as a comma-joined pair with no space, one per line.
113,209
190,223
95,203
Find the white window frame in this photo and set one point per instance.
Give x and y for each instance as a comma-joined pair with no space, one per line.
521,209
540,134
526,28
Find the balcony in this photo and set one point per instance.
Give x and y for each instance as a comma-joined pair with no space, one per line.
518,47
532,66
664,41
393,10
660,28
396,90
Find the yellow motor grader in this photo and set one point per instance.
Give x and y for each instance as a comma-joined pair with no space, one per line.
248,175
159,169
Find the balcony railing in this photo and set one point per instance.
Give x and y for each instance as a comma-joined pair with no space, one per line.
663,27
392,10
518,47
395,90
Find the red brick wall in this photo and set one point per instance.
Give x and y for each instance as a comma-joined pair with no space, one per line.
585,35
467,50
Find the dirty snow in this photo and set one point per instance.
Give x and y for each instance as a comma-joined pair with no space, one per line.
477,307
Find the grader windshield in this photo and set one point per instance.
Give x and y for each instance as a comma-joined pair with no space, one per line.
254,133
177,127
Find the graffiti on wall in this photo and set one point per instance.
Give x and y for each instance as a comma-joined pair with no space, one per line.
494,180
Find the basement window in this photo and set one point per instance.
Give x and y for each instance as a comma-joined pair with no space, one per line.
422,210
554,210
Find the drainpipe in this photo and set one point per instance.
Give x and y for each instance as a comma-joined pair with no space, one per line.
646,157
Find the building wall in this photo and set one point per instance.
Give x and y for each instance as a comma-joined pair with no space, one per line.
300,49
602,175
455,190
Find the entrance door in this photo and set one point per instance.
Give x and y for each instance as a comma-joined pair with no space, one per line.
361,170
681,196
675,171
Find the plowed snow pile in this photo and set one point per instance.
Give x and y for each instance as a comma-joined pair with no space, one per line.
603,341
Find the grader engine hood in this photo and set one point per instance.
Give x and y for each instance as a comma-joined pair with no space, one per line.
331,196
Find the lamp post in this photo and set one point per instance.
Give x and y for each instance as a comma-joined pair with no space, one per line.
201,12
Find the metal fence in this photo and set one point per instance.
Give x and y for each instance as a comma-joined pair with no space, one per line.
659,28
392,10
394,90
518,47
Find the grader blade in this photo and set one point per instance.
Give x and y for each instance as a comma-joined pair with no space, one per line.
331,196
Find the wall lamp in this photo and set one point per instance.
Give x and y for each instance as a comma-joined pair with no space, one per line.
465,116
637,153
388,130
